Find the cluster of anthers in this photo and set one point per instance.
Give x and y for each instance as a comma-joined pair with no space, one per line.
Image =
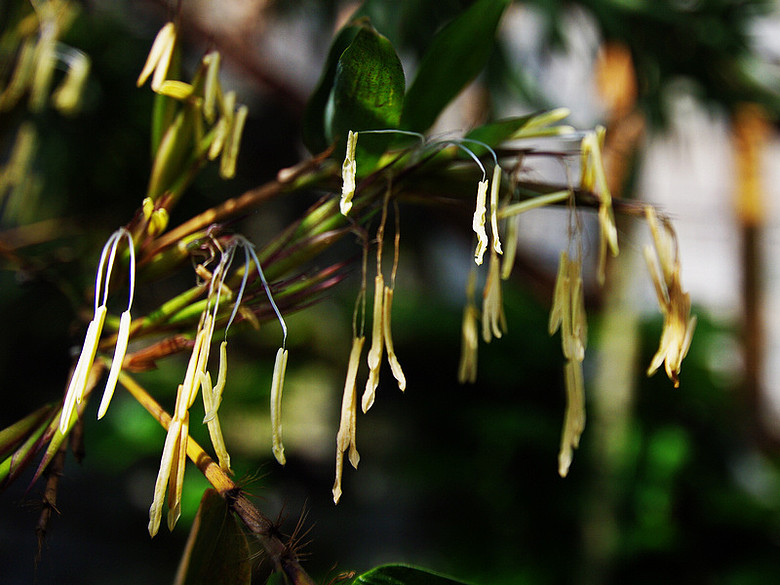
381,331
197,378
568,307
219,109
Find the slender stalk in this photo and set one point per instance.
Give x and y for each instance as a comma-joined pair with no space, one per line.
281,554
294,179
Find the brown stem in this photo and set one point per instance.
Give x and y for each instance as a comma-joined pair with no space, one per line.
281,554
237,205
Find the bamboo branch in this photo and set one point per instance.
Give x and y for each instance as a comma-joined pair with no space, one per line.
283,557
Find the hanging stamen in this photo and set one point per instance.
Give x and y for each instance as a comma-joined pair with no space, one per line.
78,382
495,187
467,367
346,436
493,318
478,222
280,368
123,335
377,344
348,173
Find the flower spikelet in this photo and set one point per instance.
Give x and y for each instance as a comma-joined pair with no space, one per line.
568,314
478,222
345,439
348,172
594,179
493,318
467,368
664,266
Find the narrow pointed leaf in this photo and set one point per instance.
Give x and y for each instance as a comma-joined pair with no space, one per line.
456,56
217,552
402,575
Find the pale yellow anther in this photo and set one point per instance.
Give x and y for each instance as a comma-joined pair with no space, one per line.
593,178
377,344
81,373
158,221
219,387
227,164
467,366
147,207
78,380
495,187
574,419
568,314
493,319
392,359
510,251
215,429
159,58
211,86
346,436
664,266
176,480
224,125
478,222
164,474
348,173
178,90
277,385
116,364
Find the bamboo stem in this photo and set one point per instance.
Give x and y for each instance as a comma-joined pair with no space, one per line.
283,557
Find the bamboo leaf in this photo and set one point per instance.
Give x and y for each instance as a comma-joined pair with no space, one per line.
368,91
217,552
314,116
456,55
402,575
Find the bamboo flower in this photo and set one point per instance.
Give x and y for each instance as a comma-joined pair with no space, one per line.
495,187
377,344
594,179
346,437
78,382
568,314
664,266
467,367
392,359
478,222
280,368
493,318
159,58
348,172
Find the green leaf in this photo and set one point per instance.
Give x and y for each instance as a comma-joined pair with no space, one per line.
368,91
217,552
314,116
495,133
402,575
457,54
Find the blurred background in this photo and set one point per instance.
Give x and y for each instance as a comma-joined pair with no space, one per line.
669,485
